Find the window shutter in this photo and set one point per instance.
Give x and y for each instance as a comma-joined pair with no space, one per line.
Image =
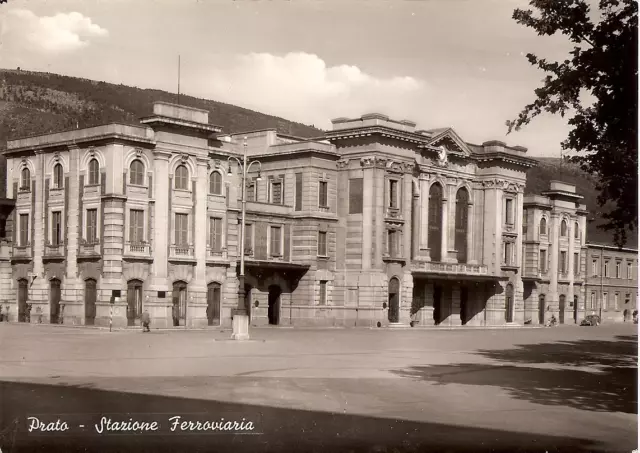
298,202
261,240
282,188
287,242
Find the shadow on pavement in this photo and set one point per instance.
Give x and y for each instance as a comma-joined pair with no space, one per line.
610,387
282,429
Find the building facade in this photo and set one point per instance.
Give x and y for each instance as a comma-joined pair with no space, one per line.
374,224
611,288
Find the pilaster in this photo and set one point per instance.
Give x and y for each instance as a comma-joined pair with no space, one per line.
71,287
424,216
471,259
415,225
407,202
519,251
553,252
379,211
161,192
201,221
444,245
367,211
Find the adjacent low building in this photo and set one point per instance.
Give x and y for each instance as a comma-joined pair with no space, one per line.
375,223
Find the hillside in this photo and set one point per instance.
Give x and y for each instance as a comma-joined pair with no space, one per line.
35,103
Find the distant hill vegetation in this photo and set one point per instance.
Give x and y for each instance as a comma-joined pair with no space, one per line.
34,103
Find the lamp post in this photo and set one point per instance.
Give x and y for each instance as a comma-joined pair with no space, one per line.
240,321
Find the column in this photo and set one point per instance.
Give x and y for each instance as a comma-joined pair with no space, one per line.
71,288
424,215
552,301
379,211
367,212
444,245
415,226
407,202
161,191
470,255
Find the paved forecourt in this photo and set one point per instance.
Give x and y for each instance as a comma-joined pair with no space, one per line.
567,386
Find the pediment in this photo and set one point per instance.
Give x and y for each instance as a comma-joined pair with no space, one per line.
450,141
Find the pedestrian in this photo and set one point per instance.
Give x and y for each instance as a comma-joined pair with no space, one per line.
146,320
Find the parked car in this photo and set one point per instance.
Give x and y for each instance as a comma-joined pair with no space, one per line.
591,320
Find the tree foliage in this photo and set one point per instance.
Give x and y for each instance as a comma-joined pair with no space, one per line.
597,86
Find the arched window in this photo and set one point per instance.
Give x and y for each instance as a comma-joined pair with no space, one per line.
94,172
215,183
25,179
563,228
576,231
58,176
136,173
182,178
543,226
435,221
462,214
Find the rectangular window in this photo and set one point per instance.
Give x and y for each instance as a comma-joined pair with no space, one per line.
323,200
323,293
606,268
92,226
393,243
56,228
322,243
136,226
276,241
508,211
594,268
543,261
576,264
605,301
615,301
248,239
593,301
525,221
393,194
298,203
251,191
276,192
24,229
507,254
618,269
215,234
182,230
629,271
563,262
355,196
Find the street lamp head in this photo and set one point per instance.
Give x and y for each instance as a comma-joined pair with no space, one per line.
259,178
229,171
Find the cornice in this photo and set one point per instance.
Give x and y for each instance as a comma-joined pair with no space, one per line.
367,131
503,184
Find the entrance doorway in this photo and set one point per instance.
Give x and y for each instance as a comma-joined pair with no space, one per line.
464,297
541,309
90,296
563,302
134,301
54,301
179,309
575,309
394,300
437,304
23,294
213,304
508,303
274,305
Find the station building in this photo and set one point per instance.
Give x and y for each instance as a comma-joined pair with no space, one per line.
376,223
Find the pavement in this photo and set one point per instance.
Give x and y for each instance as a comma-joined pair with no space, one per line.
566,388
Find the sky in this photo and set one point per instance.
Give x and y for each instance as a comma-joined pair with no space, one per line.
440,63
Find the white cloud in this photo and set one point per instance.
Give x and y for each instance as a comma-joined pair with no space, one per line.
301,87
22,30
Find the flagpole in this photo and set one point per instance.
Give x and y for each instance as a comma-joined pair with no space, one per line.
178,79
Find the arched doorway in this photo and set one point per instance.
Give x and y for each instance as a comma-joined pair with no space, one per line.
54,301
213,304
437,304
90,296
179,309
274,305
462,214
464,297
23,294
394,300
435,222
563,302
508,303
134,301
575,309
541,308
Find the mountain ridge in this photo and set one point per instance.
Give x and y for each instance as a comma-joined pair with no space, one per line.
34,103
